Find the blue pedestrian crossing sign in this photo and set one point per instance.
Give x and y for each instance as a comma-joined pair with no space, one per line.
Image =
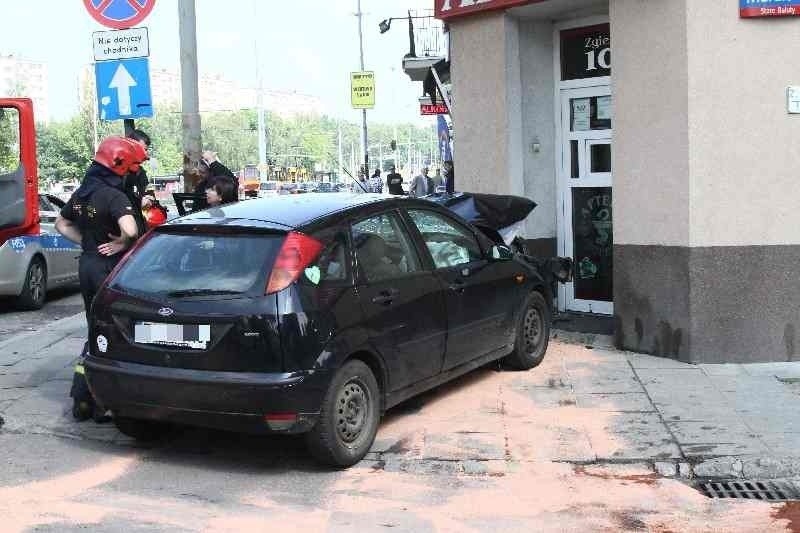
123,89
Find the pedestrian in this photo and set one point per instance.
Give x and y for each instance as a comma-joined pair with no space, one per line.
449,177
394,182
437,180
135,184
210,170
375,182
221,191
421,185
99,217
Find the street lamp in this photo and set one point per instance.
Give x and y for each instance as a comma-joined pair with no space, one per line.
385,25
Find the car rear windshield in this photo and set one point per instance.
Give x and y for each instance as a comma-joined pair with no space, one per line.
180,265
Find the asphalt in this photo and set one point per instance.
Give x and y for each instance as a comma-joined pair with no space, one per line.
591,425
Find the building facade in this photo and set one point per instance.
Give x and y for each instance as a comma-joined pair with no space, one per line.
20,77
657,139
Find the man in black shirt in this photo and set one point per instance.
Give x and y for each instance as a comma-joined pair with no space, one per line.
394,182
99,217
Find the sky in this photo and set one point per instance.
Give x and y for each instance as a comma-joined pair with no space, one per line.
308,46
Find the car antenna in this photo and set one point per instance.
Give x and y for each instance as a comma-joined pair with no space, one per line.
358,182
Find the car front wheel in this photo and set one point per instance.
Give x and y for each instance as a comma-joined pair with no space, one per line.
533,334
349,417
34,289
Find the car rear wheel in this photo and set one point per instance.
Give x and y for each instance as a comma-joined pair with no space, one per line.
34,289
141,430
349,417
533,334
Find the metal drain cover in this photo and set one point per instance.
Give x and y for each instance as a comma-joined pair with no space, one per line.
773,491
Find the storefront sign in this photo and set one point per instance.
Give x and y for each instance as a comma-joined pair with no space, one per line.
586,52
432,109
769,8
447,9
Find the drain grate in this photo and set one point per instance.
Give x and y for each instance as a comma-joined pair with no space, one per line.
772,491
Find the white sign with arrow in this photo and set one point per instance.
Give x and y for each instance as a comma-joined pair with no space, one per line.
122,82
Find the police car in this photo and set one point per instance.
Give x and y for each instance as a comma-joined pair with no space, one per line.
31,265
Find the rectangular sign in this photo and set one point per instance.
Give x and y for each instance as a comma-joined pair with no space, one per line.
123,89
433,109
446,9
586,52
362,90
121,44
769,8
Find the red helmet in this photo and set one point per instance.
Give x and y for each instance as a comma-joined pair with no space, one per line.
154,216
120,155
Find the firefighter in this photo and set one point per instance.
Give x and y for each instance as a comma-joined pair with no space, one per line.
99,216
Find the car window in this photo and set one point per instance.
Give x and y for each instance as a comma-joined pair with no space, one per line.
383,249
449,244
332,262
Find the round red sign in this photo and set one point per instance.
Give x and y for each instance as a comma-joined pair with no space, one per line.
119,14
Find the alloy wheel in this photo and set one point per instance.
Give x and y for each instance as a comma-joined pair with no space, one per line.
36,283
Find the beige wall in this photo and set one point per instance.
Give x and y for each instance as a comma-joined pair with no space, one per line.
480,102
651,142
745,160
538,121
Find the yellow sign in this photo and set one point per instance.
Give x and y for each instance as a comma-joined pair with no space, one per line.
362,90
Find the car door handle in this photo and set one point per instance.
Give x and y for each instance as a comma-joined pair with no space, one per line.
385,297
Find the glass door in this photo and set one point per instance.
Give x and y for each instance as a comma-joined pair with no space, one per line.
585,221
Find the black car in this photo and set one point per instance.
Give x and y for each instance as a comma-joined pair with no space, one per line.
307,314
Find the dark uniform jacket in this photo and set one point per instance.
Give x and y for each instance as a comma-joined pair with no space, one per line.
97,206
394,182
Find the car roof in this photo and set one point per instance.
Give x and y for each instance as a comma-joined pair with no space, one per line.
289,210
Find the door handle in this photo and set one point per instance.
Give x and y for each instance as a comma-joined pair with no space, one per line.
385,297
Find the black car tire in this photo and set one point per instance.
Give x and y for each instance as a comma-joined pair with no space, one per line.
532,335
348,419
142,430
34,289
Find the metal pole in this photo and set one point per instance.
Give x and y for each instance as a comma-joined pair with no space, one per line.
190,98
262,126
341,156
364,147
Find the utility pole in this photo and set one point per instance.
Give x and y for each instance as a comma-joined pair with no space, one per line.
364,146
262,126
190,99
339,172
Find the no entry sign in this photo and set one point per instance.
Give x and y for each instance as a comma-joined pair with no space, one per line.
119,14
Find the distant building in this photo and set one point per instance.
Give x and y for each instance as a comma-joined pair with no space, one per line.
219,94
20,77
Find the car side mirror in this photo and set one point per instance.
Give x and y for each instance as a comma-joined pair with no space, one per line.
501,252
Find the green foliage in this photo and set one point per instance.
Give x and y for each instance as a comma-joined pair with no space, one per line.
66,148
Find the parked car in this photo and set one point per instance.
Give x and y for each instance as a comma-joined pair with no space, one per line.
307,314
32,265
268,188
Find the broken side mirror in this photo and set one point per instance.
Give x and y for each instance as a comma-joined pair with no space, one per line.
501,252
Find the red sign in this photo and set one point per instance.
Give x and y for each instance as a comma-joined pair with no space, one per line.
432,109
119,14
447,9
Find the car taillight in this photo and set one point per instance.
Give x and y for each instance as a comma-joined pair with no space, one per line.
296,254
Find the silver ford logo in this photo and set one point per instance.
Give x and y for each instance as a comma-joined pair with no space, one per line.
165,311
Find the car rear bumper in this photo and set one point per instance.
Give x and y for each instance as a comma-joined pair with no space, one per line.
234,401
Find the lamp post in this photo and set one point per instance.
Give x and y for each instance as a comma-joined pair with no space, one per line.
364,147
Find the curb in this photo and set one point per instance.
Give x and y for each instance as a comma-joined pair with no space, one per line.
585,339
22,345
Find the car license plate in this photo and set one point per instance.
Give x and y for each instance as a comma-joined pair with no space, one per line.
194,336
